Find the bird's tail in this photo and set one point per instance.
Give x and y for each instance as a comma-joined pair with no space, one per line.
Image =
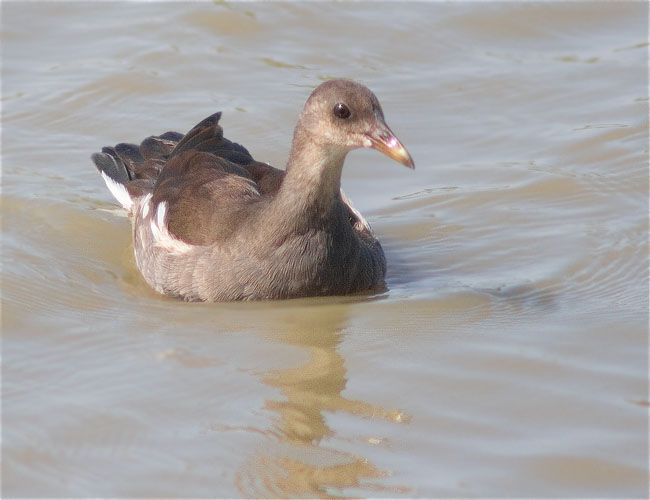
116,175
131,171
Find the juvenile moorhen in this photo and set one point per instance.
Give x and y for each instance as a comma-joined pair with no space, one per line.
212,224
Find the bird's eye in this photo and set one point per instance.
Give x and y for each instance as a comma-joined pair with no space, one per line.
341,110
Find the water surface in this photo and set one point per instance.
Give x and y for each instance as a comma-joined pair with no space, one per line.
509,356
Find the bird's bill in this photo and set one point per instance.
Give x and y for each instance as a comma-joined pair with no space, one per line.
382,139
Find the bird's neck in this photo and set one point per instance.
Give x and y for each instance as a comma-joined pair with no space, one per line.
312,183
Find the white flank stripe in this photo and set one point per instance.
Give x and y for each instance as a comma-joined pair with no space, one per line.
160,213
155,230
161,235
118,191
145,206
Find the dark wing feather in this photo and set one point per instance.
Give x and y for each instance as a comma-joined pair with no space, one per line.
157,148
208,182
171,136
206,129
130,155
211,185
207,197
107,162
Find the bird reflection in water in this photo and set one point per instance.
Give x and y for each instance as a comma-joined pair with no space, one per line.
301,463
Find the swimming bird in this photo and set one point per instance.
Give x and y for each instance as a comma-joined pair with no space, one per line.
212,224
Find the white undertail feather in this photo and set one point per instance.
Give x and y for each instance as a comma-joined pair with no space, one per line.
118,191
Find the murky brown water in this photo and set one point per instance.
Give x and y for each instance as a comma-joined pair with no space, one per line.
508,358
